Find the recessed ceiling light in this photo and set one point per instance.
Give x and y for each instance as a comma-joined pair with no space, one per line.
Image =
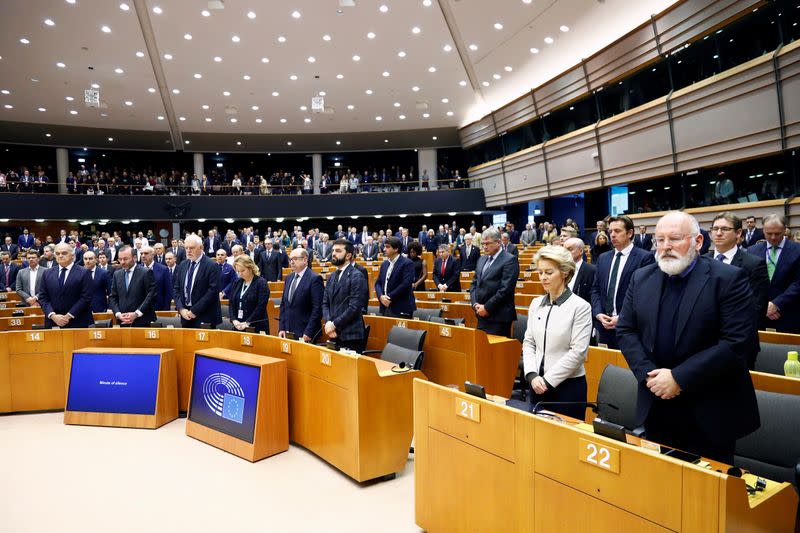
426,3
401,54
157,10
322,93
385,74
508,68
160,117
307,120
254,108
356,58
226,93
386,140
186,141
281,39
235,38
402,117
105,29
67,98
139,54
111,139
246,77
496,76
176,91
383,8
234,120
168,57
119,70
208,119
548,40
9,106
49,22
182,119
326,37
368,91
449,113
415,88
288,143
47,135
339,76
312,59
197,76
293,77
151,90
238,143
283,121
205,13
498,26
296,14
42,109
463,83
275,93
95,86
379,118
187,36
61,65
24,40
6,91
445,100
71,2
128,103
426,115
485,83
217,59
527,1
435,138
259,121
473,47
564,29
397,104
205,106
303,108
447,48
534,50
415,30
251,15
371,35
350,107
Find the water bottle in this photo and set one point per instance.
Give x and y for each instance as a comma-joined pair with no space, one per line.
791,368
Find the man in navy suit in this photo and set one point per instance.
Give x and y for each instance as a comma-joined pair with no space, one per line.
211,244
301,304
752,234
583,278
8,273
493,286
782,258
393,286
25,241
227,274
405,240
133,292
643,240
343,301
614,270
468,254
196,289
10,247
101,283
66,292
270,262
685,336
162,277
178,251
354,237
446,271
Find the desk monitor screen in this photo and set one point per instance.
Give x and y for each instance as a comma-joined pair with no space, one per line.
224,396
113,383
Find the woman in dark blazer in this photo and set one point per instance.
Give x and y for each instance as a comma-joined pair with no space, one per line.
249,295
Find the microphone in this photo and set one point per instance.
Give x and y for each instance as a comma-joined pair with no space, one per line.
401,367
593,405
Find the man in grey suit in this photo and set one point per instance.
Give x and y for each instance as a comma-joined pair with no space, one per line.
133,292
492,290
323,249
528,236
28,279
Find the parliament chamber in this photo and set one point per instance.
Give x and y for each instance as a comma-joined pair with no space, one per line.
430,265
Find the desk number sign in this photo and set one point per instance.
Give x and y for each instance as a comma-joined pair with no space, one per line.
469,410
599,455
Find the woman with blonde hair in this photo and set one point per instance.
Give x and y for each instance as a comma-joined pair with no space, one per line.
249,296
557,337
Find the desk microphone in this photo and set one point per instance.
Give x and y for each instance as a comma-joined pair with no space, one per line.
401,367
593,405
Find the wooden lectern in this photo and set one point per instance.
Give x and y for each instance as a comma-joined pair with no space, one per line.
270,427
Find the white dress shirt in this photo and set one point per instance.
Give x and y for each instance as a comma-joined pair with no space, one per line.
571,283
626,252
728,255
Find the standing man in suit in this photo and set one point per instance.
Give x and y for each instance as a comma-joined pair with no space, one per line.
528,237
468,254
323,249
104,264
48,258
101,283
29,279
10,247
643,240
343,300
177,251
446,271
339,233
301,304
685,337
8,273
172,264
270,261
752,234
158,253
405,240
782,257
212,243
66,292
226,273
614,270
370,250
25,241
726,231
509,247
583,279
492,289
164,285
394,284
133,292
513,234
196,289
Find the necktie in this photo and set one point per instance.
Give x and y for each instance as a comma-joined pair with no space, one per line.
293,287
721,257
487,265
188,289
388,274
444,265
127,279
8,274
773,259
62,277
612,285
92,274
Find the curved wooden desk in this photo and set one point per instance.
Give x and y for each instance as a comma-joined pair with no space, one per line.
352,411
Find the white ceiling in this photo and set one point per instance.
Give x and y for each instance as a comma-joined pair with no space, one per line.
76,39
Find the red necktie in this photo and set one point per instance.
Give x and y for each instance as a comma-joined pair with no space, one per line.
444,265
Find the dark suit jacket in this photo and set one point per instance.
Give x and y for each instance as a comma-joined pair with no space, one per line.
216,244
495,289
270,268
370,252
164,286
399,288
25,242
253,305
584,282
228,245
784,287
468,262
712,339
227,278
74,298
303,314
637,259
645,242
12,249
706,242
205,292
758,235
452,274
180,254
13,269
343,304
101,288
366,285
140,295
512,249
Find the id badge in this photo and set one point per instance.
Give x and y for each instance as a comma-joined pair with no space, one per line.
241,314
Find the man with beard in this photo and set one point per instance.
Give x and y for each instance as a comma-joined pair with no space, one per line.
344,299
685,335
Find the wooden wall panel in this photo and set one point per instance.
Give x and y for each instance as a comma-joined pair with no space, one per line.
789,65
569,86
490,177
517,112
525,175
630,53
573,162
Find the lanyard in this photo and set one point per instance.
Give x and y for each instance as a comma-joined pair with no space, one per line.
244,289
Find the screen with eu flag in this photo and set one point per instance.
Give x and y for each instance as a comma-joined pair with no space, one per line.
224,396
113,383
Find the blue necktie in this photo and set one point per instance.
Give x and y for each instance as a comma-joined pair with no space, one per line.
188,290
127,279
612,285
62,277
721,257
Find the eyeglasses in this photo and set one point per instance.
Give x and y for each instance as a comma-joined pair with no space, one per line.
721,229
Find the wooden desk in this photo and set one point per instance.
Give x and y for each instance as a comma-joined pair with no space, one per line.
352,411
481,466
458,297
455,354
